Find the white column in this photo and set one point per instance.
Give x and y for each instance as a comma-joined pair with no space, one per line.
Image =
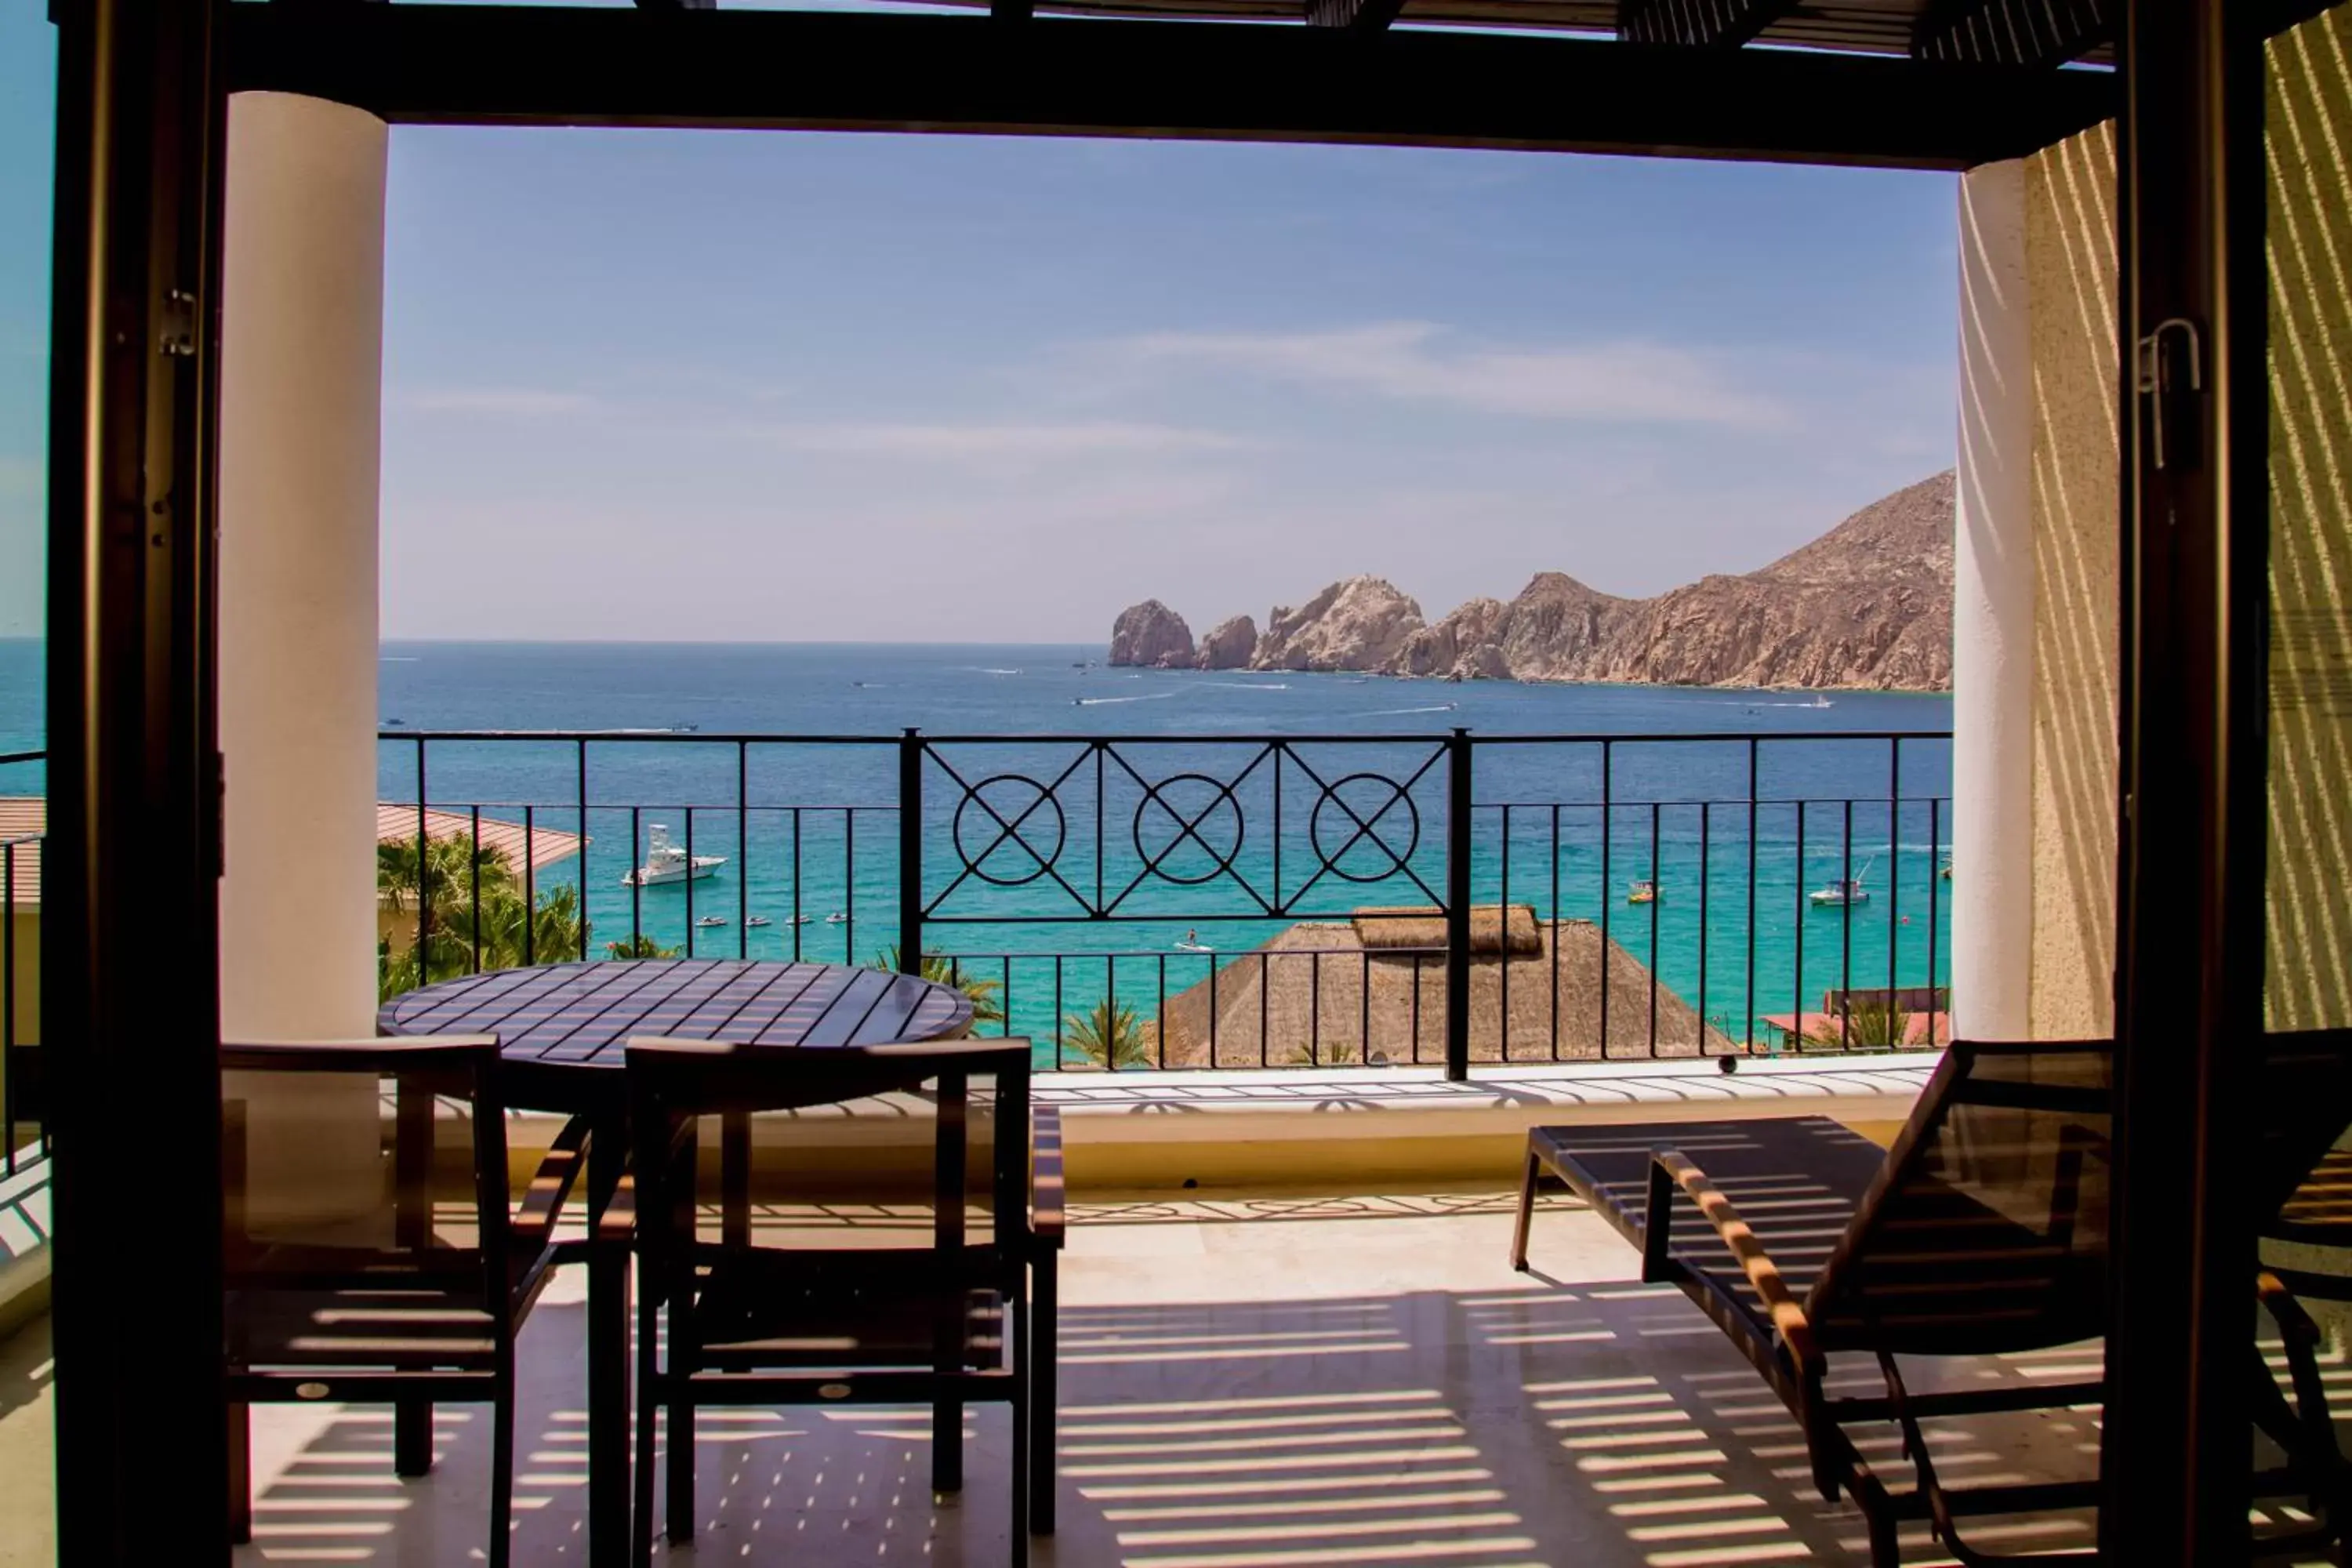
301,373
1993,620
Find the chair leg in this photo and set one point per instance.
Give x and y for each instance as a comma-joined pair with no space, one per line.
1527,1211
502,1471
947,1445
641,1479
678,1514
240,1473
1044,1353
412,1437
1020,1407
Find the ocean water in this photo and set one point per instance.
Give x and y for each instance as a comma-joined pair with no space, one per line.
1189,824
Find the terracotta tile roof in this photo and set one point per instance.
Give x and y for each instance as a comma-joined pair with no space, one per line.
23,818
395,822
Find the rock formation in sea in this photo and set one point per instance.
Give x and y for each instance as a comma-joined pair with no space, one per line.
1152,635
1228,647
1867,605
1358,623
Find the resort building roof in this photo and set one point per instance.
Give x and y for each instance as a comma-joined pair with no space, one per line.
25,818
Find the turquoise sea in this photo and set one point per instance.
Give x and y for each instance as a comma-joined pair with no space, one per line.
1188,824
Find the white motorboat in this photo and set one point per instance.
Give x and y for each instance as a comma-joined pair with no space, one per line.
709,921
1842,895
756,920
837,917
667,862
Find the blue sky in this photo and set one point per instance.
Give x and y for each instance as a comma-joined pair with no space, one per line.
786,386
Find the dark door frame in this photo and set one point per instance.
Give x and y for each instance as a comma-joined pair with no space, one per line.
2188,983
129,968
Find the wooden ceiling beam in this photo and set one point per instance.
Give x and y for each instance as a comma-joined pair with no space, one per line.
1698,24
512,65
1356,15
2041,34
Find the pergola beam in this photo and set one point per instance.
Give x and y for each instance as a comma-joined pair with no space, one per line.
1356,15
2041,34
1698,24
495,65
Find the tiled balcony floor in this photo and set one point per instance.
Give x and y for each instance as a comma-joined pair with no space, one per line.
1245,1384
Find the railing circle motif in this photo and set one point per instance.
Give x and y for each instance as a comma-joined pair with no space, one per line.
1361,828
1004,821
1220,842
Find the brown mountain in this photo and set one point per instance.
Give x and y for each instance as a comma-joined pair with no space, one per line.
1868,604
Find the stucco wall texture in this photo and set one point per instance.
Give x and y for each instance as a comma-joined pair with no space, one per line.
2308,148
2071,271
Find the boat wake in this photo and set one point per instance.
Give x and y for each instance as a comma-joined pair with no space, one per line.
1391,712
1249,684
989,670
1104,701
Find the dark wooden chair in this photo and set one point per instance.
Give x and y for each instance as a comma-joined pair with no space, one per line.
383,1306
768,1319
1982,1232
2302,1186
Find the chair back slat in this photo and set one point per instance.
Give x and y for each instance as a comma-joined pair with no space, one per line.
674,1083
1986,1230
399,1232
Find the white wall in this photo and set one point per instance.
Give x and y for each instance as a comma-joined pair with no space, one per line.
301,373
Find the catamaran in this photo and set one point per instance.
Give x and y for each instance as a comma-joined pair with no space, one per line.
667,862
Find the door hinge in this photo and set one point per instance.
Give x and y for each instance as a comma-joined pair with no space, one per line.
179,338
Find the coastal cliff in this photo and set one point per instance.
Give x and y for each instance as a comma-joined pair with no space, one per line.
1358,623
1867,605
1150,634
1228,645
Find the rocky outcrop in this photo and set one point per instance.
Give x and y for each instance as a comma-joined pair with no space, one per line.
1229,647
1441,649
1151,635
1867,605
1358,623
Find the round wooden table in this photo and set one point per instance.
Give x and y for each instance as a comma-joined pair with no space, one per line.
563,1031
563,1028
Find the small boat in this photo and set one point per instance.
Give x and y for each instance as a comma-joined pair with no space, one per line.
709,921
1642,892
1945,871
1842,895
1194,947
756,920
837,917
798,920
667,862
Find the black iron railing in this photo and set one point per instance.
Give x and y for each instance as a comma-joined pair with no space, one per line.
1666,894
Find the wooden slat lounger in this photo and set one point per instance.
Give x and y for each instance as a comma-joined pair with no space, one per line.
1982,1232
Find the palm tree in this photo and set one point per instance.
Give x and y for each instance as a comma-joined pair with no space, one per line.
555,932
985,996
640,946
1878,1025
1109,1035
475,913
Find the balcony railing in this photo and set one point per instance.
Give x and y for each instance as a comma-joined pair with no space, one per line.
1229,900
